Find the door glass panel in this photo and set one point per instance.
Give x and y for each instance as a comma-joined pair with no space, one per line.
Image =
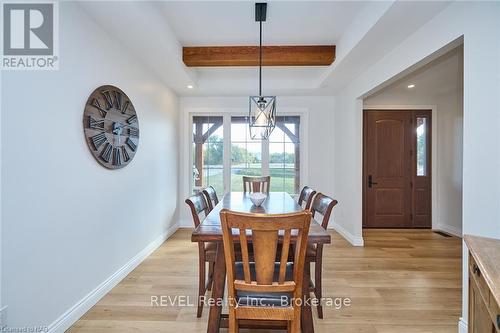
421,146
208,151
277,163
284,163
277,135
246,154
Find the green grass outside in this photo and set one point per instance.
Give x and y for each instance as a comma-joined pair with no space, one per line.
281,179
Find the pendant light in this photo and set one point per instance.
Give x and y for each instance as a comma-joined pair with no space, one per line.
262,109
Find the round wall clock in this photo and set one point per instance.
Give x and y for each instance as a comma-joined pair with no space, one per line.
111,127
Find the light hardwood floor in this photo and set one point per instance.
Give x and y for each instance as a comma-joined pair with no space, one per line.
401,281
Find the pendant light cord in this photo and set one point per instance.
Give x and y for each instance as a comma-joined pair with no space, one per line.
260,60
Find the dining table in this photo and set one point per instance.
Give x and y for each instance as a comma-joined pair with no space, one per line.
210,230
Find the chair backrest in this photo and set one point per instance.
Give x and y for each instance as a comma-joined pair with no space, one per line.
306,195
211,197
198,204
265,231
256,184
323,205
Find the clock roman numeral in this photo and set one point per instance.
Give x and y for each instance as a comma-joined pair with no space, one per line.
98,140
131,144
118,100
126,156
132,131
106,152
125,107
107,97
117,159
132,119
96,124
95,103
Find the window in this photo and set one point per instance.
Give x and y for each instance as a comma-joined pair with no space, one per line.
246,154
421,146
208,152
284,152
222,164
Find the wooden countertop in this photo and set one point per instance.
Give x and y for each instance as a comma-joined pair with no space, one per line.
486,252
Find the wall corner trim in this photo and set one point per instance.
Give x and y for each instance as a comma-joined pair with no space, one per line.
354,240
462,326
68,318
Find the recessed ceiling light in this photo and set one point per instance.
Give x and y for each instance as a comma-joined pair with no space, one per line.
411,86
190,86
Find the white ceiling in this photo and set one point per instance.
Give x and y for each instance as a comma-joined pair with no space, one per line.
363,31
439,77
233,23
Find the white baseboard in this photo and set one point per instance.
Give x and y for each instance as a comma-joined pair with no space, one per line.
462,326
449,229
354,240
65,321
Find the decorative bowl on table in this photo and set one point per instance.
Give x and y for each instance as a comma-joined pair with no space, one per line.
257,198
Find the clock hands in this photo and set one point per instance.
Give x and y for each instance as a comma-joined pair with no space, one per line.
112,131
117,132
116,128
120,127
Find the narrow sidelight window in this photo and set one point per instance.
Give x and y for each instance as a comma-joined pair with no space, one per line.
421,146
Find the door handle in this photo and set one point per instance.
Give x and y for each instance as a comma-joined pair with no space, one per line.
370,181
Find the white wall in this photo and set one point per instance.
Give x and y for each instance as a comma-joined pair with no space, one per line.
479,23
449,163
69,223
318,164
1,214
447,140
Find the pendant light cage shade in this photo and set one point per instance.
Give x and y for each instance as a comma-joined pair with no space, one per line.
262,110
262,116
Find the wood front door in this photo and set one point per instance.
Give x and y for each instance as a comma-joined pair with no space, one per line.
397,169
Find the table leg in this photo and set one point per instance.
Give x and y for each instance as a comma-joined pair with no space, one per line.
306,317
217,290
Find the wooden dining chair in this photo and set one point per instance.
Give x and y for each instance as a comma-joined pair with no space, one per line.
306,196
256,184
211,197
322,205
206,250
263,288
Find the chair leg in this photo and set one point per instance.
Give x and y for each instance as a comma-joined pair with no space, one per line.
318,293
233,322
310,282
201,285
211,266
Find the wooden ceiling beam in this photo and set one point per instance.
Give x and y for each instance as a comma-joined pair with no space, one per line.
224,56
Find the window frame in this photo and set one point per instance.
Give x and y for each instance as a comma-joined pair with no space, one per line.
226,125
